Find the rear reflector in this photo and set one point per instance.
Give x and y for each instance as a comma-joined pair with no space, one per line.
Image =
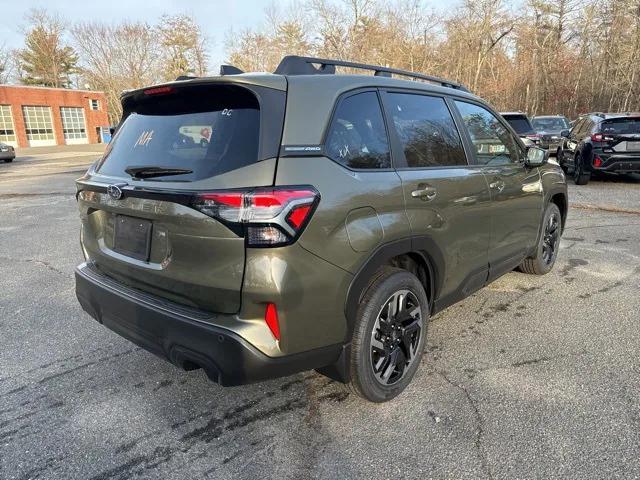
271,319
272,216
597,161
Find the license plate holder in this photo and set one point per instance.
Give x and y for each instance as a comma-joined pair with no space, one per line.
132,237
633,146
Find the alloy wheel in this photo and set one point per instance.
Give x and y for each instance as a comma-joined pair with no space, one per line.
551,239
395,337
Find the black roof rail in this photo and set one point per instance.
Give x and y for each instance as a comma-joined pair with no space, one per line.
229,70
295,65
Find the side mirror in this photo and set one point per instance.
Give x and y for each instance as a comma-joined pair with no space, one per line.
112,130
536,157
564,133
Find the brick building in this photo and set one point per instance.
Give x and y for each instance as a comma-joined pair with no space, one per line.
40,116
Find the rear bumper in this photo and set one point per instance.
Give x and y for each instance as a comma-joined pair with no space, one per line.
619,164
8,155
180,335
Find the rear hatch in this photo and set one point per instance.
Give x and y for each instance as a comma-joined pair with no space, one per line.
175,144
622,135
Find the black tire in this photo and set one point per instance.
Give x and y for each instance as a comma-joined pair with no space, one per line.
402,348
580,176
543,260
8,160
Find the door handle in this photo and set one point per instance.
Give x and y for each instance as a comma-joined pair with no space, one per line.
425,193
497,185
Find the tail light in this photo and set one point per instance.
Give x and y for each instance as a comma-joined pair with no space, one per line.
597,137
597,161
601,137
270,216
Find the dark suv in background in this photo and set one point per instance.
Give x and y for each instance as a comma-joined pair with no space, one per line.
321,224
601,142
550,128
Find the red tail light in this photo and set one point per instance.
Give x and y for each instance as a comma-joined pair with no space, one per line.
597,161
597,137
271,319
272,216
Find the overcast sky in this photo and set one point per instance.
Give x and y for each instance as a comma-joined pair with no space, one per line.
217,17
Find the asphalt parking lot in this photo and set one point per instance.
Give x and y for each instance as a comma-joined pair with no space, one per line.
532,377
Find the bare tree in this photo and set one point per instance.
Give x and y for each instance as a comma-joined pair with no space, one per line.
184,47
117,58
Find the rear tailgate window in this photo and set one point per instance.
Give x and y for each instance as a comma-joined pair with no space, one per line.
621,126
519,123
205,129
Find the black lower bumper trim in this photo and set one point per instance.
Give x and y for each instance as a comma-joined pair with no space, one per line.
189,343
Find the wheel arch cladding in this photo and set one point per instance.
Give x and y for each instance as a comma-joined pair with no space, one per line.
419,256
560,199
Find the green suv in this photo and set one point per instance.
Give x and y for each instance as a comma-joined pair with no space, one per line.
258,225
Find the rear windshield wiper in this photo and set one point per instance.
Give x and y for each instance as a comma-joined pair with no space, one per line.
151,171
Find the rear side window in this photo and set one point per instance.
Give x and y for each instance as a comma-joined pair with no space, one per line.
621,126
208,131
357,137
426,130
494,144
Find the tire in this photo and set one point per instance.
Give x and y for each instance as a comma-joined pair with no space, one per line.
8,160
544,259
580,176
380,374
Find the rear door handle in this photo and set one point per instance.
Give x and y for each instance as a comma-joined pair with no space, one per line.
425,193
497,185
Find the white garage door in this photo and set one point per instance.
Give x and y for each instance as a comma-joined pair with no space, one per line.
73,126
39,126
7,130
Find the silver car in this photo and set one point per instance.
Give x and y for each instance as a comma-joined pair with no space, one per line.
7,152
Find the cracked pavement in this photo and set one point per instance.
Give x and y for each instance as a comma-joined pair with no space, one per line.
531,377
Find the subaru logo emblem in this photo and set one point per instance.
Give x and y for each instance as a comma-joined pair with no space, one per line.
115,191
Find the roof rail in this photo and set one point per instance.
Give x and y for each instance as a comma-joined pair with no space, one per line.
295,65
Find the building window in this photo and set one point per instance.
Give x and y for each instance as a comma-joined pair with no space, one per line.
95,104
7,132
38,123
73,126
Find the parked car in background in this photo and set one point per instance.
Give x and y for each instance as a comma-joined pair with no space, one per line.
7,152
520,122
323,223
549,128
601,142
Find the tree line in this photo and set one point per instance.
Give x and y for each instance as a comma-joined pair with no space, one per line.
538,56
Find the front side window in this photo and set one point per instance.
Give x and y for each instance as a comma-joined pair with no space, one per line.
494,144
426,130
357,137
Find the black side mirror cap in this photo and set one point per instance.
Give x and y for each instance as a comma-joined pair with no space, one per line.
564,133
